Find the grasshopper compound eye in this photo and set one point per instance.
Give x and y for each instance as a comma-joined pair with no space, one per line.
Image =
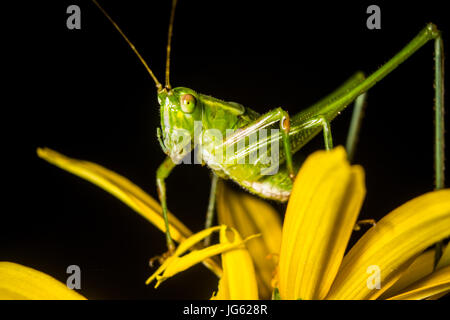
188,103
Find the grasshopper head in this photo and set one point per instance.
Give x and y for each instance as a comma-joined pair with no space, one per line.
181,110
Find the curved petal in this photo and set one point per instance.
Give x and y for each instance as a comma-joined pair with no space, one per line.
437,296
322,210
422,266
126,191
239,279
120,187
178,262
445,258
396,239
250,215
435,284
18,282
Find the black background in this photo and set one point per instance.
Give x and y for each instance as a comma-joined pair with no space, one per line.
85,94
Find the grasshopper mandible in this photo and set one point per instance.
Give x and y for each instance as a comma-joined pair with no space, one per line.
191,116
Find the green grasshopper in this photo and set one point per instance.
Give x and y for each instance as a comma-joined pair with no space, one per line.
191,116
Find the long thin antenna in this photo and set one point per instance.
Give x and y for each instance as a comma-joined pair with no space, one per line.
158,84
169,41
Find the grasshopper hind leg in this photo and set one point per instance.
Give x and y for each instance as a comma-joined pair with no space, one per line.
355,125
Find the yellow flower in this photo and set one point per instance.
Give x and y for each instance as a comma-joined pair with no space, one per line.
322,210
127,192
20,282
325,202
385,263
238,267
233,252
231,247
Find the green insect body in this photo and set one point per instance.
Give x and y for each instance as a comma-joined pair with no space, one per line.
216,114
212,113
187,118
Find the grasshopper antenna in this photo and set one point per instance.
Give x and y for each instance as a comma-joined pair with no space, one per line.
158,84
169,41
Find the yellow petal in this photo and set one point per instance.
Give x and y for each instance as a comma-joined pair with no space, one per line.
396,239
18,282
250,215
239,279
322,210
124,190
179,262
118,186
437,296
445,258
182,248
420,268
436,283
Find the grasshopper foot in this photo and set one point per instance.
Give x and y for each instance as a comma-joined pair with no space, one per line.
359,223
162,257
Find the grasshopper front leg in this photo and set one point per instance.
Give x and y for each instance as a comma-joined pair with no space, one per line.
211,206
161,174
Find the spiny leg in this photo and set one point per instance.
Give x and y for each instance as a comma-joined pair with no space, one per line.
357,114
343,89
352,140
430,32
161,174
355,125
439,159
439,113
309,122
211,206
